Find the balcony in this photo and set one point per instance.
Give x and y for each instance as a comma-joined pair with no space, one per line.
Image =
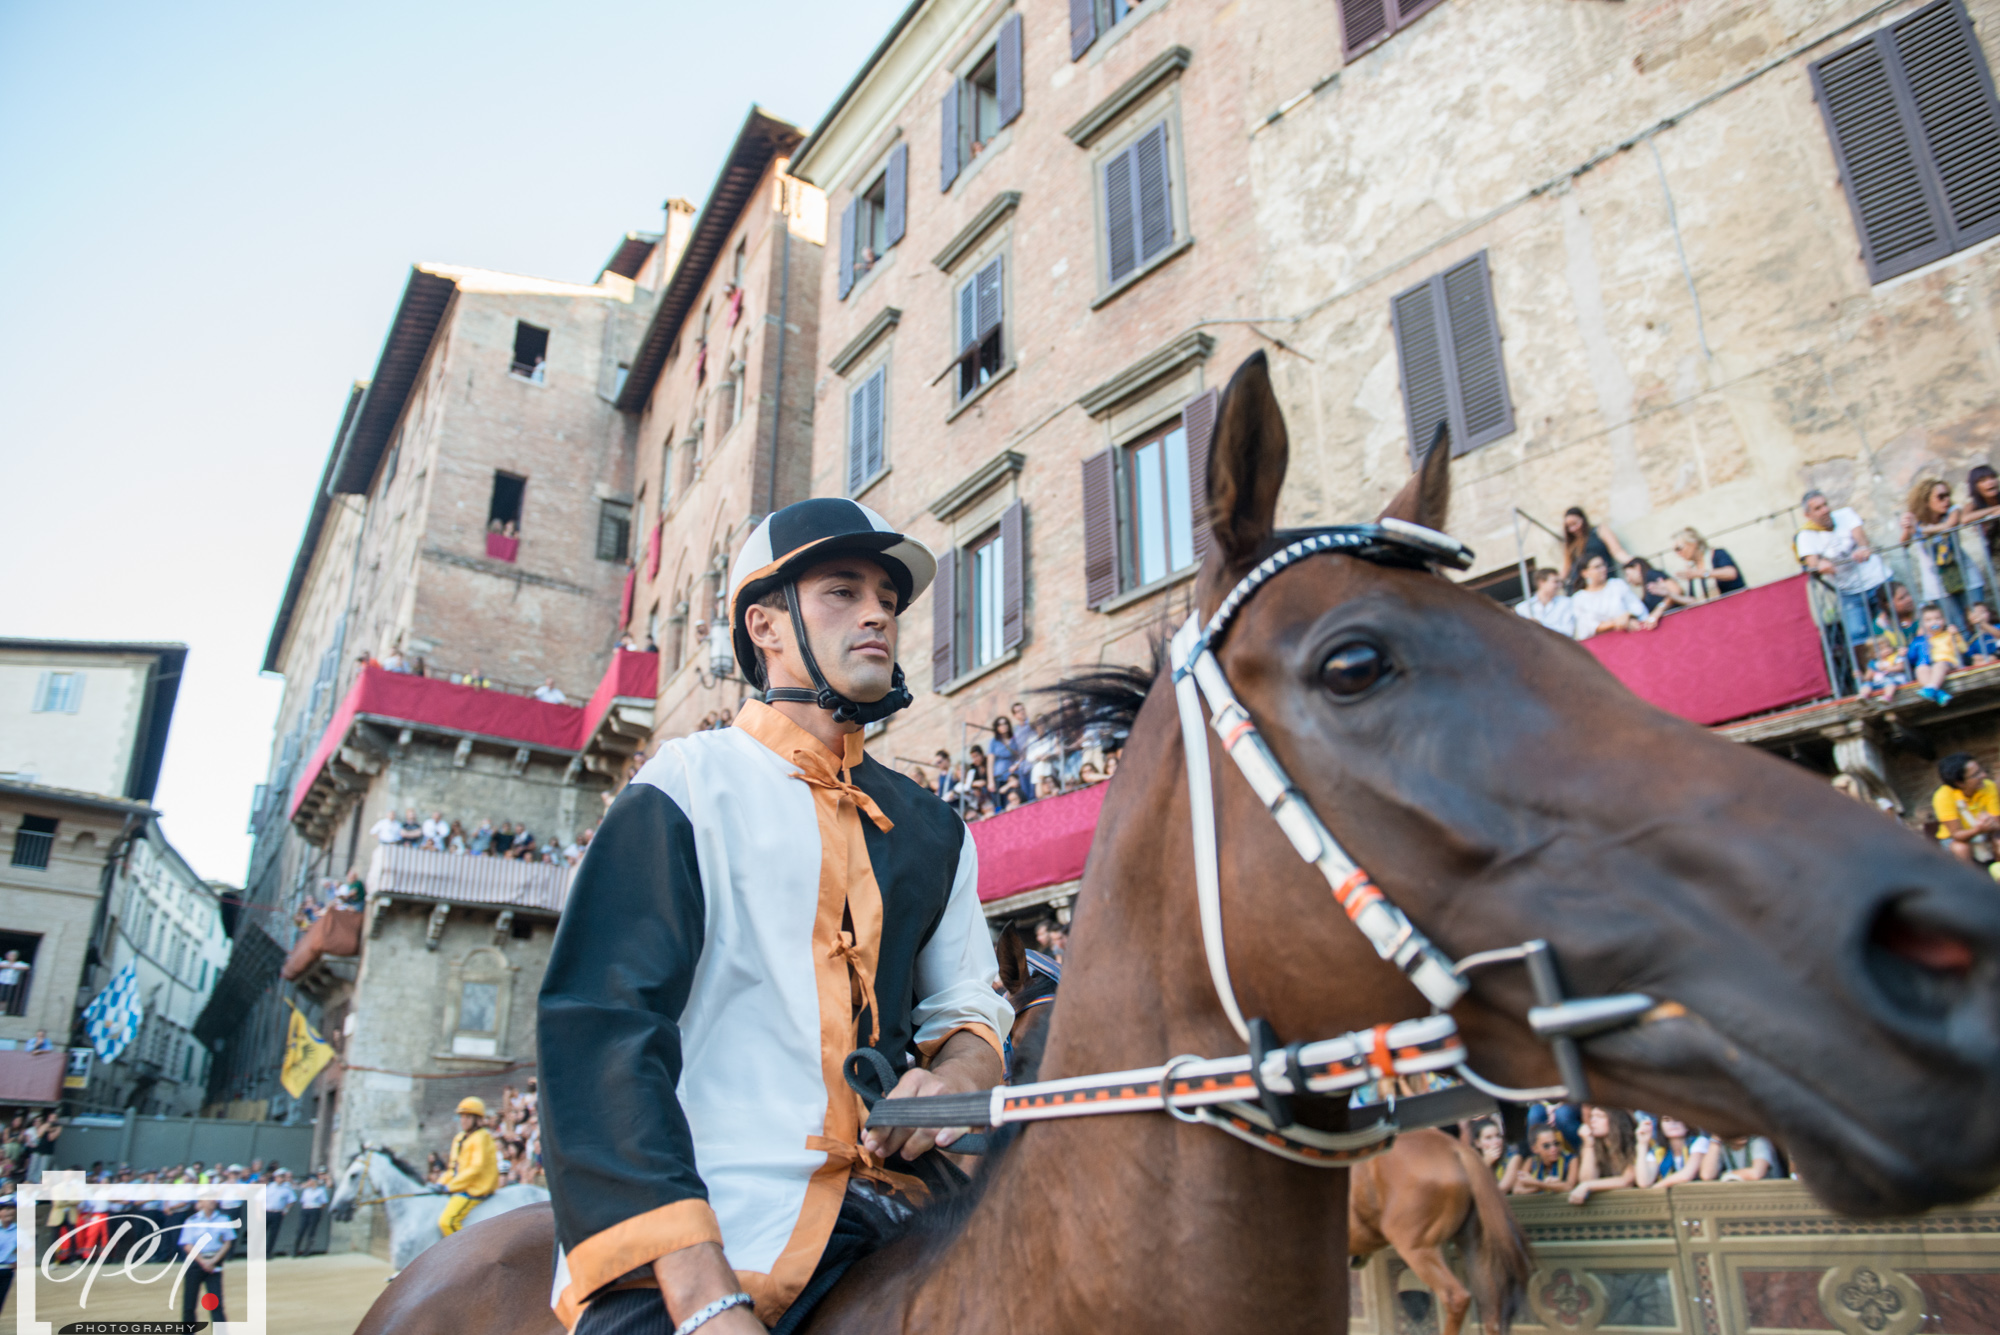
31,849
459,878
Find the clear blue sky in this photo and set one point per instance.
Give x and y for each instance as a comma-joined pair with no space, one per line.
207,212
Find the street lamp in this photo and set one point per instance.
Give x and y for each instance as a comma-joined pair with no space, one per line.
721,655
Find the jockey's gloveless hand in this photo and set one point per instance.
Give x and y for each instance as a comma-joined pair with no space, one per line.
966,1064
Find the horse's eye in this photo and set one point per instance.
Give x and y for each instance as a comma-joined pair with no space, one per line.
1353,668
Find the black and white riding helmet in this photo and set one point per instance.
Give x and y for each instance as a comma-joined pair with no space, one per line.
800,536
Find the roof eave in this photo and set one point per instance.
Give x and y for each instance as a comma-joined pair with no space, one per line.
802,160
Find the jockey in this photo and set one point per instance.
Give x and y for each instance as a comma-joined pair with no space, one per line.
761,900
473,1168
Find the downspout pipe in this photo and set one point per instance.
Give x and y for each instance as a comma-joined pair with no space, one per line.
778,381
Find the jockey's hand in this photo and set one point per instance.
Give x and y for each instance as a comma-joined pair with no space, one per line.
965,1064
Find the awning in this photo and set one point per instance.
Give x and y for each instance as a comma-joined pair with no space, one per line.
32,1077
1042,843
1754,650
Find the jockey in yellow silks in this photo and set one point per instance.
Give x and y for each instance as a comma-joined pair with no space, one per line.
474,1170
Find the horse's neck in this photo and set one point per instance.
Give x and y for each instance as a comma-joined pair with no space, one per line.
389,1180
1137,1220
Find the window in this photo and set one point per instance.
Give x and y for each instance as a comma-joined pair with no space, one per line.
978,614
864,430
505,507
666,470
739,263
17,972
58,693
984,102
873,220
1138,204
1448,343
1088,18
1143,505
478,1006
1368,23
981,338
33,839
618,378
1916,134
614,530
531,352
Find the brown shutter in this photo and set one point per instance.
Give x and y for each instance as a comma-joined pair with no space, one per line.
1362,24
1896,208
1120,212
1100,529
944,619
1407,11
1156,210
1479,375
847,249
1951,89
1007,63
1420,353
1013,565
948,145
896,190
1199,420
1082,27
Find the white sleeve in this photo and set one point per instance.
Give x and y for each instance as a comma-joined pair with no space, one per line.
955,969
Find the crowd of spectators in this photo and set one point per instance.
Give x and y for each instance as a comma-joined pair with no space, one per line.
1021,763
28,1143
517,1130
1575,1152
509,839
1584,599
79,1229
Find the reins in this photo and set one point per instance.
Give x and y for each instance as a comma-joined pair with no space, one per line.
1253,1096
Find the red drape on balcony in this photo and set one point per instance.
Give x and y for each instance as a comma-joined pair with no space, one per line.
501,547
32,1077
1740,655
653,553
1042,843
631,675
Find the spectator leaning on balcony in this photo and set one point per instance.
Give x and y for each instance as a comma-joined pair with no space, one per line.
387,830
1605,604
549,693
413,829
1937,651
1931,528
1549,606
1006,755
436,830
1967,807
1982,640
1982,507
1705,573
1659,594
1581,542
1741,1159
1833,544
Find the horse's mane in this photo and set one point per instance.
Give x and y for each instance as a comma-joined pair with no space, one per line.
1104,697
402,1166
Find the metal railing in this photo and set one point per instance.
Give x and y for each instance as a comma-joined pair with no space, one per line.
1952,569
31,849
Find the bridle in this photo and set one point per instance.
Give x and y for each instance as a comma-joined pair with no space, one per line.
1253,1096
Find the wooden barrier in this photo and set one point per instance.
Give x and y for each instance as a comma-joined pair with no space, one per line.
1726,1259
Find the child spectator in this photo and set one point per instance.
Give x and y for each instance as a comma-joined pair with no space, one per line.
1937,652
1983,645
1889,672
1966,807
1549,606
1549,1166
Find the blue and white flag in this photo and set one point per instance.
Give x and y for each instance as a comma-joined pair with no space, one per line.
112,1018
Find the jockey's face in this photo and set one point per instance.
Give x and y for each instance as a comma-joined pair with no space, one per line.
468,1121
849,605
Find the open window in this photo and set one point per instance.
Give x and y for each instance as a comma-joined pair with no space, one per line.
982,102
33,839
503,517
1088,18
982,343
873,220
979,614
531,352
1142,523
17,970
1159,534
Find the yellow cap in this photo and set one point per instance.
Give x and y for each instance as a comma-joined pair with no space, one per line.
473,1105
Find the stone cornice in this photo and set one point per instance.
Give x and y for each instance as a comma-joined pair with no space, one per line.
1000,206
885,320
1167,65
1001,465
1191,347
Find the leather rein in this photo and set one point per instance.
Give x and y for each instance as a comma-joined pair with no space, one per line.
1253,1096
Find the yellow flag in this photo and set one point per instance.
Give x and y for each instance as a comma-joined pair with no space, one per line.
306,1055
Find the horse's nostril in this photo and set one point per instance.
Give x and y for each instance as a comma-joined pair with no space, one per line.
1926,946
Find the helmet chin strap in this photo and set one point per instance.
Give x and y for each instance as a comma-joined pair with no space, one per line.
823,695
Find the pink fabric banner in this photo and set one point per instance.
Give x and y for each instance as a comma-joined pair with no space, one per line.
633,676
501,547
1042,843
1740,655
32,1077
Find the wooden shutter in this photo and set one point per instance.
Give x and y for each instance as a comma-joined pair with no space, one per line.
1100,529
896,191
875,391
1013,549
948,146
944,619
1082,27
1407,12
1154,201
1362,24
968,314
1478,374
847,248
1198,419
857,437
1420,352
989,298
1120,216
1007,63
1896,208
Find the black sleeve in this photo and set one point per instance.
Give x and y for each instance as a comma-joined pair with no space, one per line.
615,1142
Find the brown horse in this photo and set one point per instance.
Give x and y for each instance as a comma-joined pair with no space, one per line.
1428,1189
1836,982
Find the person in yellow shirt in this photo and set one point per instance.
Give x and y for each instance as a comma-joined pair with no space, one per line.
1967,804
473,1171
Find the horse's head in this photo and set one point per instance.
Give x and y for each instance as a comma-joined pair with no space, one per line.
348,1191
1031,990
1840,978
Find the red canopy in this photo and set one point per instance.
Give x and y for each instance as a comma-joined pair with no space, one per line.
1042,843
1740,655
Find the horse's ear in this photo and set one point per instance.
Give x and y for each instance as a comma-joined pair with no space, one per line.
1013,960
1426,498
1246,468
